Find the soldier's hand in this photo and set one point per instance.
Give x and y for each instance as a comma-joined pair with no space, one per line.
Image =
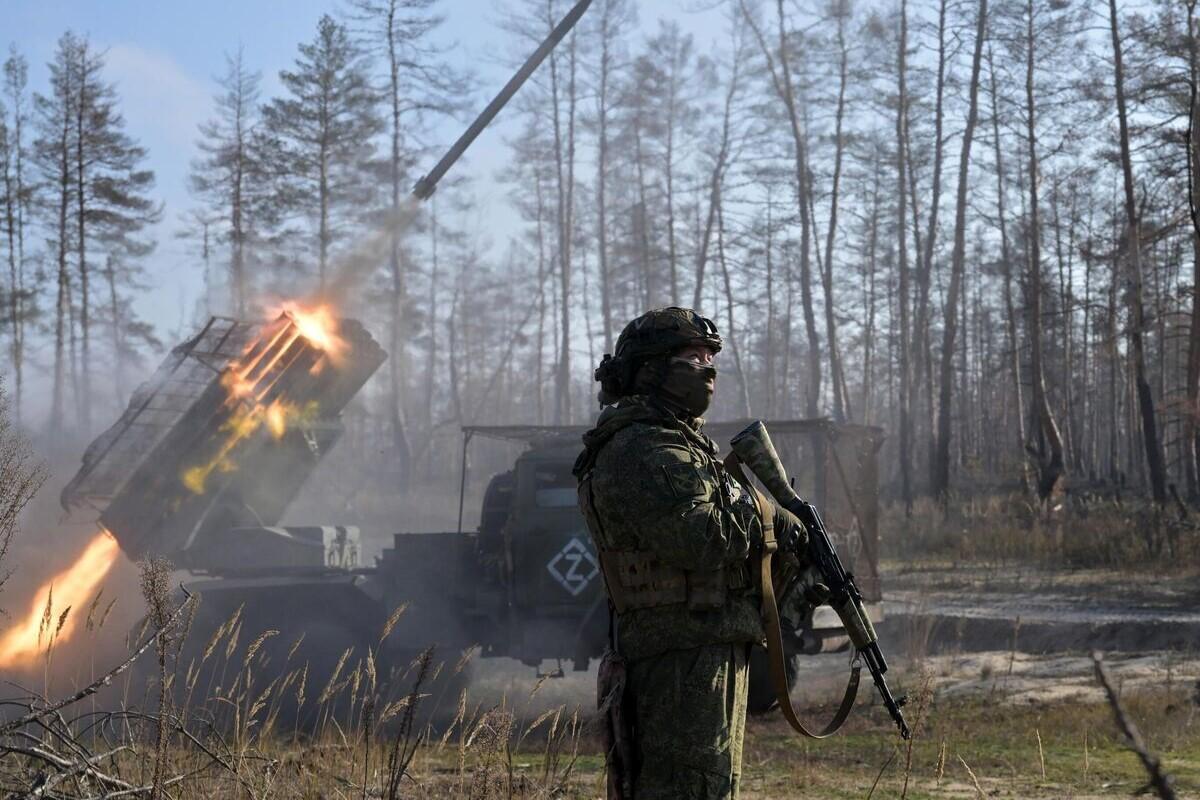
790,533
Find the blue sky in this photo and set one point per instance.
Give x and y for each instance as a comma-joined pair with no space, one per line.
163,56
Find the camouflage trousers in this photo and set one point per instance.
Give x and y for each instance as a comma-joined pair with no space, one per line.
689,721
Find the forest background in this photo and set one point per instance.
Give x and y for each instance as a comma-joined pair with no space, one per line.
970,224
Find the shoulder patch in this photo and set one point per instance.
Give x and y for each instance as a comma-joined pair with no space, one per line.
686,480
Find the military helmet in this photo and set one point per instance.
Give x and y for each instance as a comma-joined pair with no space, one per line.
658,332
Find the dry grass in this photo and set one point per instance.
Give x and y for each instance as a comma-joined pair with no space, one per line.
232,724
1079,531
365,735
20,478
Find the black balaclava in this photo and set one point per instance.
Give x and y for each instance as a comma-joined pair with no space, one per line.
680,384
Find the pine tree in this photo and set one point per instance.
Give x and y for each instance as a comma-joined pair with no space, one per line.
99,204
229,178
112,204
18,199
325,128
52,152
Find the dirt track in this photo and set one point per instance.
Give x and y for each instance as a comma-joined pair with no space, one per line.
942,608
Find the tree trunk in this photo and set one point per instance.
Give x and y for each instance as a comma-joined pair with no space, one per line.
922,333
432,354
63,299
10,228
868,385
642,214
1154,453
1010,312
1191,444
323,234
82,107
905,443
237,222
941,466
669,174
771,378
731,332
398,366
114,311
1053,468
812,389
564,160
782,83
602,177
841,404
716,177
541,273
16,76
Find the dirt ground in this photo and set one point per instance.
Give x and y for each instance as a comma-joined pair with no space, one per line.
1011,704
996,662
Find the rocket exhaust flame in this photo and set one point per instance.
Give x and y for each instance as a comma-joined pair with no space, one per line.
255,377
57,604
247,406
319,326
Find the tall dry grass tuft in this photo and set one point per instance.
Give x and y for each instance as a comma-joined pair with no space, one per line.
974,779
407,739
920,722
155,575
492,776
20,479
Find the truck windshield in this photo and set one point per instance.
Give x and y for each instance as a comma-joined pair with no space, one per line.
555,487
555,498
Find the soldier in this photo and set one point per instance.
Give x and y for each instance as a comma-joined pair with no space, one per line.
674,534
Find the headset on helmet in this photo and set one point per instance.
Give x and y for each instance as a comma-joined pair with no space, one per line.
658,332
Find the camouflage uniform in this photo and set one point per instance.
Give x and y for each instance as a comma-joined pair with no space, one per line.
674,533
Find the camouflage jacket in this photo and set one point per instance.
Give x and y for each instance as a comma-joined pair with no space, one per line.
657,488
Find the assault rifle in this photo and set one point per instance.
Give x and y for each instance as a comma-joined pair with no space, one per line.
754,448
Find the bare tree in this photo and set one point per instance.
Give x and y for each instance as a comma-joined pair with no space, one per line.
781,81
418,86
1154,454
1192,386
905,342
722,160
1048,436
941,462
19,198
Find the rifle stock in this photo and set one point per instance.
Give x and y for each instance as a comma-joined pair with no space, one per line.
754,448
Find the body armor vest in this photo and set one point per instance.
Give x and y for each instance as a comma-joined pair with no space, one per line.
637,579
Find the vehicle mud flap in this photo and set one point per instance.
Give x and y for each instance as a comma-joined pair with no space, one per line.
614,708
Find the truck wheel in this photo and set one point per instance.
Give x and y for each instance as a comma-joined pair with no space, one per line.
762,694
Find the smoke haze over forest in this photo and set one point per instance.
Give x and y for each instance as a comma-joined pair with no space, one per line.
762,186
952,248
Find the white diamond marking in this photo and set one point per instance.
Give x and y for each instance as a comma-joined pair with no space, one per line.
574,566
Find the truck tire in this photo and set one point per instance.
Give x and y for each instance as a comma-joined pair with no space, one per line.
762,694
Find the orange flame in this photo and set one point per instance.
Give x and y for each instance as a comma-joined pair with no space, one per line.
248,382
243,423
69,590
320,327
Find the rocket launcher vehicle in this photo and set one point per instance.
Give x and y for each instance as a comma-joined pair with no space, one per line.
213,448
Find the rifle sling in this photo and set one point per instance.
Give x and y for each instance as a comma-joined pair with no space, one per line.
770,613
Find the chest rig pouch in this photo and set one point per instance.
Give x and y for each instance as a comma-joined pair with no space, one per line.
636,578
